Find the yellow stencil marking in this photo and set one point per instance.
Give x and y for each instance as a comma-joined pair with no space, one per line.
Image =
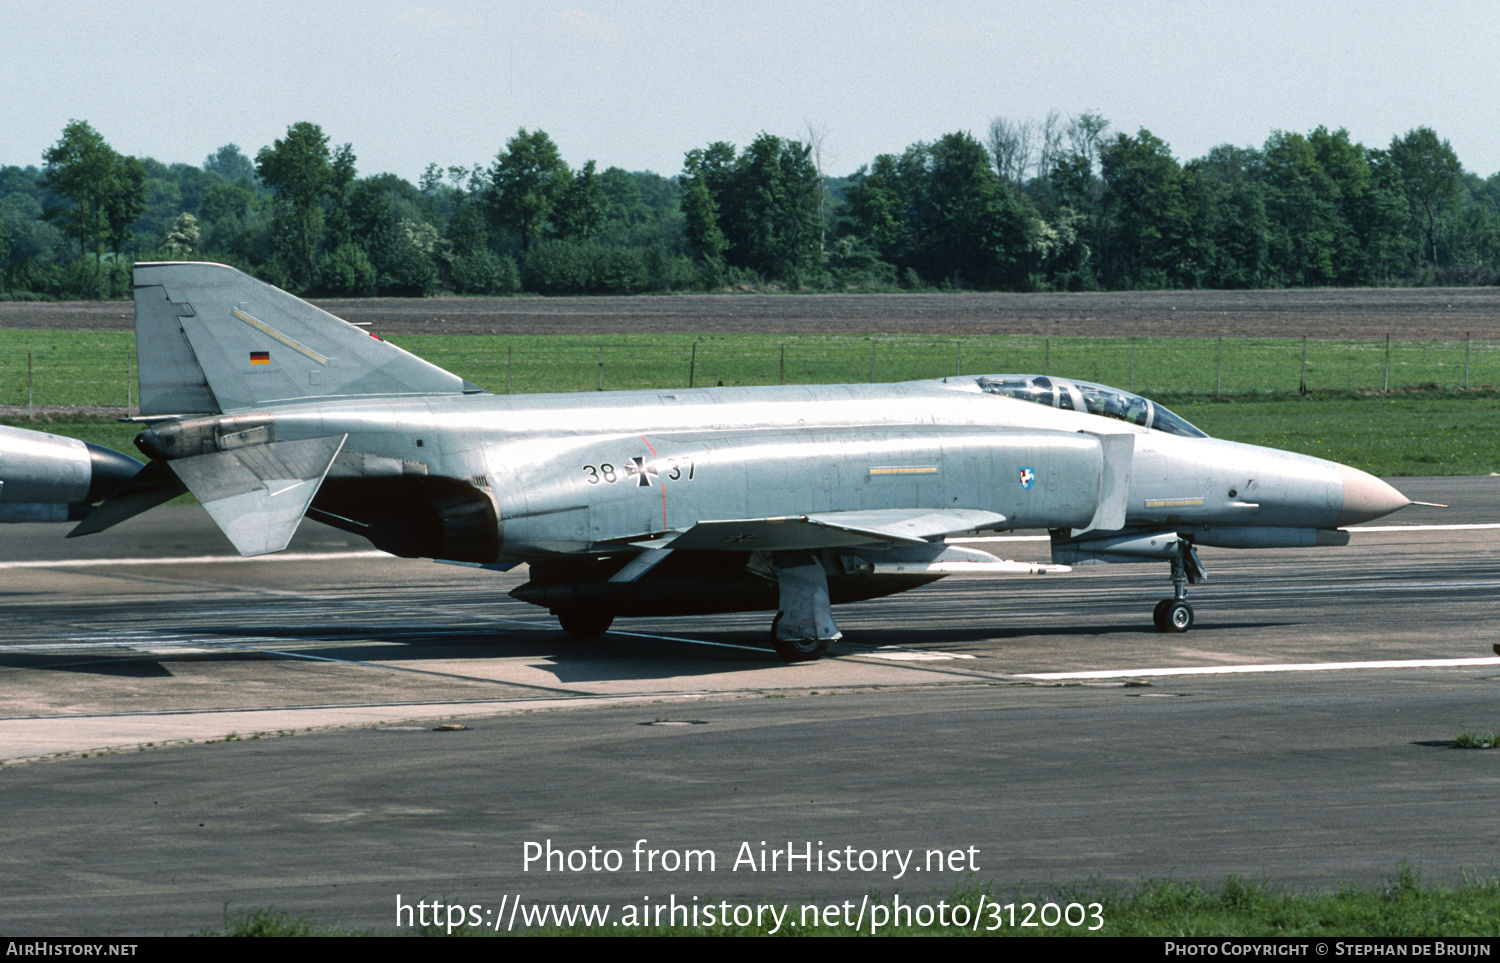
915,470
273,333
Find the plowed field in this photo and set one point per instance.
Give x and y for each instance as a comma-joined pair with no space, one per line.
1404,313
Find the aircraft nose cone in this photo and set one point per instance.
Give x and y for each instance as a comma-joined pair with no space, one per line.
1367,497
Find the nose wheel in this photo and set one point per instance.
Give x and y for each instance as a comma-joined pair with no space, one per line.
1172,615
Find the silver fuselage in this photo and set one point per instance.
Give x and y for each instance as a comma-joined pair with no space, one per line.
573,473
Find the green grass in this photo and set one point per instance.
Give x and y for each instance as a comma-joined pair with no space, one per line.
1408,434
95,367
1424,426
67,367
1403,906
1477,740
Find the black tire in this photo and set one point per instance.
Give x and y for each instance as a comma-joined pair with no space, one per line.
1178,616
585,623
798,650
1159,615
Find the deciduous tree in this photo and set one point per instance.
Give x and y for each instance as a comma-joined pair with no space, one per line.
527,181
1432,176
107,192
1150,217
301,171
581,207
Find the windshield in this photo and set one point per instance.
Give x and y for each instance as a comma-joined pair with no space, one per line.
1087,396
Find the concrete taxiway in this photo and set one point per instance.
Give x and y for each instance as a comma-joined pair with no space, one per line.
1300,732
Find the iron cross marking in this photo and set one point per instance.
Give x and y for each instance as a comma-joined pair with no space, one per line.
642,471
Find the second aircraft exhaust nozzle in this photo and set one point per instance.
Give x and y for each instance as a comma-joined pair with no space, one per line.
1366,497
109,469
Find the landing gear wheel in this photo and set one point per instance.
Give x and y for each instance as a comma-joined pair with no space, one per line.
1173,615
585,623
796,650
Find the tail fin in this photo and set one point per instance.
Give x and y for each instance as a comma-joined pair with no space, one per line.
213,339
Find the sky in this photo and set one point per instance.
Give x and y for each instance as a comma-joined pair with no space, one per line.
637,84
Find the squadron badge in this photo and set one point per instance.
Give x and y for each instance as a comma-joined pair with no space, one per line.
1028,478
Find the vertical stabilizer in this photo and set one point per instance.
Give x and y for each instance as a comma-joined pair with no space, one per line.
210,338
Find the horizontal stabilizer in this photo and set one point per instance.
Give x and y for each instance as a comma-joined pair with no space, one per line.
152,486
258,495
901,526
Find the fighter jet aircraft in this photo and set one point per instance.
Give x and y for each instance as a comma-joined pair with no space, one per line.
49,478
678,502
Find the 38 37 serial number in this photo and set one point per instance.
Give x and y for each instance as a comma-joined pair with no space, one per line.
675,469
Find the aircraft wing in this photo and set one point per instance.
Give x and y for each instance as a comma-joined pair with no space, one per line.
898,526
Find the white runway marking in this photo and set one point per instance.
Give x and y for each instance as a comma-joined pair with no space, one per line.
678,638
917,656
1475,526
1419,528
1245,669
198,560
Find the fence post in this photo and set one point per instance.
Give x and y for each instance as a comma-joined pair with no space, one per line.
601,369
30,411
872,361
1219,368
1386,386
1047,356
1467,336
693,364
1132,365
508,351
958,365
1302,377
783,364
128,396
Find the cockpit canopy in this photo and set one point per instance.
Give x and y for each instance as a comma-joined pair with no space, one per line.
1086,396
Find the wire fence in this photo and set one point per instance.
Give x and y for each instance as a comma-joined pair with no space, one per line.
98,368
1197,366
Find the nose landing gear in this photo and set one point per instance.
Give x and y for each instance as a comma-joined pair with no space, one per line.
1175,614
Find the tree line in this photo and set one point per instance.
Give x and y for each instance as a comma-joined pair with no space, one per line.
1056,204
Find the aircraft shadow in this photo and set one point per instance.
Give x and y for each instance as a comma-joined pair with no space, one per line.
615,656
123,666
620,655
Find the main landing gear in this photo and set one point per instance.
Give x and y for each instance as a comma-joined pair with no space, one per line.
803,628
1175,614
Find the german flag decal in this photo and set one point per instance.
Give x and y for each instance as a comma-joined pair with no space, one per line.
260,357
